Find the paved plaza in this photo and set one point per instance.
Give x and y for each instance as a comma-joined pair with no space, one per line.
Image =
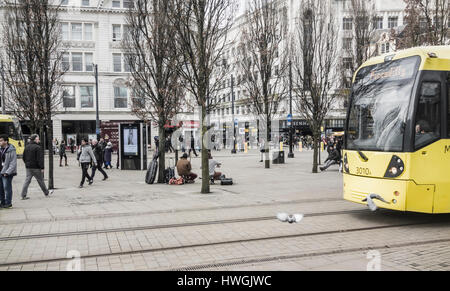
125,224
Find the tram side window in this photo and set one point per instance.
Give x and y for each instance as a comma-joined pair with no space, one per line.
428,119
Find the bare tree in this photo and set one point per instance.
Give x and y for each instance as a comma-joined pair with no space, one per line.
315,59
33,65
201,34
364,19
153,57
427,23
263,60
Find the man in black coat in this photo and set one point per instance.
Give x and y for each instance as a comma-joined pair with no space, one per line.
99,156
34,162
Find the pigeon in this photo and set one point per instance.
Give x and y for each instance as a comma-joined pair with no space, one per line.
371,204
295,218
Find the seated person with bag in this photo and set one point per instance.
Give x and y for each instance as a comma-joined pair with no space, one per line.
184,169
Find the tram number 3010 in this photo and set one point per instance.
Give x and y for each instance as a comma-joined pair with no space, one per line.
363,171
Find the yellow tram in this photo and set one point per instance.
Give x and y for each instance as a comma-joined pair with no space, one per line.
10,126
397,145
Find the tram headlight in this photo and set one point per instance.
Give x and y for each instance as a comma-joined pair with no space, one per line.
396,168
346,165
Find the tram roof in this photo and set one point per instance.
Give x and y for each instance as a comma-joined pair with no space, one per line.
440,61
4,118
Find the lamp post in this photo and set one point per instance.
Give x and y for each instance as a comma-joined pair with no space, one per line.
291,127
233,151
3,87
97,119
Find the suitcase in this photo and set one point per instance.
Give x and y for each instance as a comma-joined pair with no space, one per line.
226,182
150,177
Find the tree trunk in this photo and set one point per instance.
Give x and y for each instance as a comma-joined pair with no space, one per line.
51,184
162,152
315,168
268,138
205,160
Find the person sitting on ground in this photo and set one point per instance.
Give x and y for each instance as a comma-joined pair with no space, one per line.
334,158
184,169
212,169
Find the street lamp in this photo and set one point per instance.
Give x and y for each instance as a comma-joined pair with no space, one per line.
233,151
291,127
97,120
3,87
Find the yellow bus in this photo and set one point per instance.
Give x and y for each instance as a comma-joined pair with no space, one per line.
10,126
397,145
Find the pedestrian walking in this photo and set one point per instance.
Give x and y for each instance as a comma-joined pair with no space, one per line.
34,164
8,158
108,155
62,153
192,146
86,157
72,145
99,154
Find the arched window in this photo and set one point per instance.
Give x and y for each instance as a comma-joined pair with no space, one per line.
120,94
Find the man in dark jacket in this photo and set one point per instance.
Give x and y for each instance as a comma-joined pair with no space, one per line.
8,166
99,156
34,162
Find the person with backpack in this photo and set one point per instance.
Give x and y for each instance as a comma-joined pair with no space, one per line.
34,162
8,166
86,157
99,155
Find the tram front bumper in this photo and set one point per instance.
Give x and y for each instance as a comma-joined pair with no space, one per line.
357,189
398,195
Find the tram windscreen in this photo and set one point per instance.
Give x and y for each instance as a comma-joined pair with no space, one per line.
12,129
379,107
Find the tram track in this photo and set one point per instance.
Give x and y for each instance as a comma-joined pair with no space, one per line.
258,239
268,259
169,211
168,226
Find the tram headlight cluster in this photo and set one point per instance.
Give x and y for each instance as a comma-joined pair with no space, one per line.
396,168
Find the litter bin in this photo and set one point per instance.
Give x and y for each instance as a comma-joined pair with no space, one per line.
278,158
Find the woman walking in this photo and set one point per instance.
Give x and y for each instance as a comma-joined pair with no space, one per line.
108,155
86,157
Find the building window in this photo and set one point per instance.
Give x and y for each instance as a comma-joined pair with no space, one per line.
77,31
89,62
87,96
65,31
385,48
116,4
77,62
378,22
347,43
85,3
64,2
88,31
128,4
66,62
120,97
348,63
392,22
348,23
69,100
117,63
117,32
